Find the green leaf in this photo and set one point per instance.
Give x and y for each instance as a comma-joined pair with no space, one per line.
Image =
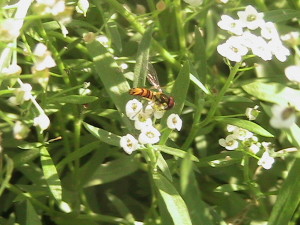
274,92
174,151
288,198
180,87
8,169
200,60
103,135
32,218
26,156
74,99
121,207
198,209
114,35
163,166
112,171
246,124
50,174
84,150
222,159
112,78
141,66
293,134
281,15
174,203
230,188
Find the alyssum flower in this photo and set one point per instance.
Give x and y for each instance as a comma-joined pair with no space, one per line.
142,117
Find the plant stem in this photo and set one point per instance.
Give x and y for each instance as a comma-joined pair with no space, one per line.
139,28
213,108
180,26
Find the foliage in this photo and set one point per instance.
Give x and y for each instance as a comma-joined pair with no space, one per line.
70,151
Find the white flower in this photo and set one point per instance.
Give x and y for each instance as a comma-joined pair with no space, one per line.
129,143
223,1
231,128
254,147
53,7
252,113
103,40
42,121
282,116
13,69
266,161
242,134
82,6
142,120
194,2
230,143
44,59
269,31
132,108
232,49
20,130
262,49
124,66
251,18
293,73
84,91
291,38
248,39
278,50
26,90
158,114
229,24
149,135
9,30
21,94
174,122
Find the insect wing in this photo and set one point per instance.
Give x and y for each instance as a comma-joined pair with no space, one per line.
152,77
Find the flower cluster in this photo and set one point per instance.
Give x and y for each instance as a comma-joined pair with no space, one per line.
251,33
144,117
244,140
56,8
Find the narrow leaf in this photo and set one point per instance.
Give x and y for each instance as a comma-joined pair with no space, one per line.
32,218
274,92
103,135
9,169
230,188
50,174
180,87
198,209
281,15
174,203
112,171
174,151
246,124
141,66
121,207
111,76
288,199
74,99
114,34
163,166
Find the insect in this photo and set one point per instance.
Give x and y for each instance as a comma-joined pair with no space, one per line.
161,100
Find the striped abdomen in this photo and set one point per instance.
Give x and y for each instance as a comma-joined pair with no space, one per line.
142,92
160,99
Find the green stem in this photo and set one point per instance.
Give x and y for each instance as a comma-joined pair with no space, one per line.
139,28
180,26
213,108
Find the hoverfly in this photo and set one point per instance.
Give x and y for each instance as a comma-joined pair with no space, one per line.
160,99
